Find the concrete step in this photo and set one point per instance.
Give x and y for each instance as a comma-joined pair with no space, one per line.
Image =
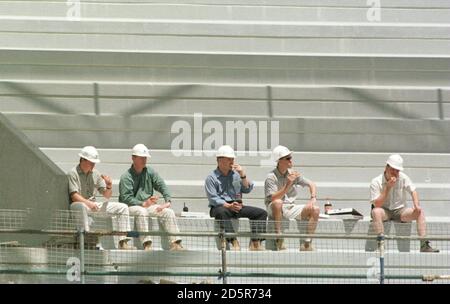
188,68
318,174
207,39
313,134
306,159
229,11
229,100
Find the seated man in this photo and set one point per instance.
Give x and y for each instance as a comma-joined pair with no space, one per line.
84,181
137,187
281,191
388,199
224,188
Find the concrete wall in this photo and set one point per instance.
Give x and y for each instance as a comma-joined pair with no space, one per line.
28,180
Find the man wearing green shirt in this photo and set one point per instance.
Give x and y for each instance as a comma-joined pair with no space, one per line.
137,189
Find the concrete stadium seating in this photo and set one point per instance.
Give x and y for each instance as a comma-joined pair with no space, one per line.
345,90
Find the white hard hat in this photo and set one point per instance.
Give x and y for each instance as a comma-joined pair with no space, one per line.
141,150
225,151
395,161
280,152
89,153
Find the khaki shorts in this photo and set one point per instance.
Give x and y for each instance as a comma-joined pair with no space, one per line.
393,215
289,211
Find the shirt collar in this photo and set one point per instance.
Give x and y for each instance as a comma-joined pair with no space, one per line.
218,173
81,171
278,173
134,173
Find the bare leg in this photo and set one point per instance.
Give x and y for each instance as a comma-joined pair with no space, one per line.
312,215
277,214
410,214
378,216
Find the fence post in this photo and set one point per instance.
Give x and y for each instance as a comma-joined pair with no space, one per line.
82,271
380,240
223,250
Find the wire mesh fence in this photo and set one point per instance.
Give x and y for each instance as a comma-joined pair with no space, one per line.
342,250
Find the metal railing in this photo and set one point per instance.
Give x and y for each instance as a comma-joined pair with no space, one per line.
340,255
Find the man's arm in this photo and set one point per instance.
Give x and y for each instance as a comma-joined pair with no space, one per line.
383,193
312,191
160,186
105,186
77,197
415,198
281,192
211,192
74,191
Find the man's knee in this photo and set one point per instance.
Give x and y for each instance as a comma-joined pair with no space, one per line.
378,213
315,211
276,207
138,211
122,208
167,212
78,206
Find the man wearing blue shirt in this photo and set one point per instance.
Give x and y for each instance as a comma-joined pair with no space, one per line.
224,188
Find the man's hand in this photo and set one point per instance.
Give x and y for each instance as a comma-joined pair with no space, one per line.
150,201
239,169
162,207
292,177
91,205
391,182
234,206
417,209
107,180
311,202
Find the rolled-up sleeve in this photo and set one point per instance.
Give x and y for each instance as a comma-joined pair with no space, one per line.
74,184
247,189
302,181
270,187
375,191
409,185
211,192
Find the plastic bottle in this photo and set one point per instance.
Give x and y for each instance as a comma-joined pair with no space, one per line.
328,205
185,209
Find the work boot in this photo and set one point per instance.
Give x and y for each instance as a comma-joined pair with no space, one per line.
147,246
306,246
426,247
255,246
279,243
123,245
235,245
176,246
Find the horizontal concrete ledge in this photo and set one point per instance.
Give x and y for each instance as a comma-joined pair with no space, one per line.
221,91
255,11
210,28
289,3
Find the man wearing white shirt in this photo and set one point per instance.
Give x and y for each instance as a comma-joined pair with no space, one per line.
388,193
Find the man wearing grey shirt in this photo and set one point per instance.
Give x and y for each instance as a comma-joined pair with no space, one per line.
280,188
388,193
84,182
